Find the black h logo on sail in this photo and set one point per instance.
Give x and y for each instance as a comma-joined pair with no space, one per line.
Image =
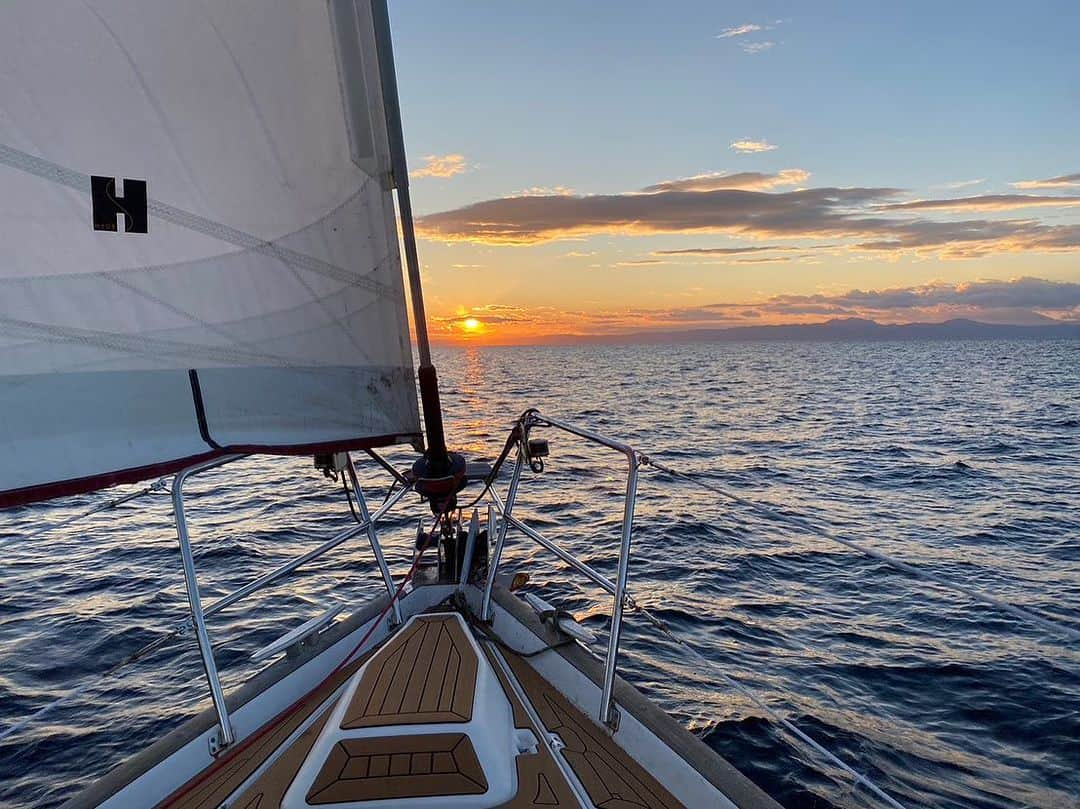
108,206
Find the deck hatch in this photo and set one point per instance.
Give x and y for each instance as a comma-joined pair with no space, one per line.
398,767
425,675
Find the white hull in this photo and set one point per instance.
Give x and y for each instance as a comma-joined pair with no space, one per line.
180,770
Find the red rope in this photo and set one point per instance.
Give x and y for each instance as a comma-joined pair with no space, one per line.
281,717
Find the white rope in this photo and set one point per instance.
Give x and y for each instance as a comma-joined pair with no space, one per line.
798,522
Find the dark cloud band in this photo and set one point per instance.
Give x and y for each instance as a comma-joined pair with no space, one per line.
696,205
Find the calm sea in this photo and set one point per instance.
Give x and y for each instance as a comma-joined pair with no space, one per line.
962,458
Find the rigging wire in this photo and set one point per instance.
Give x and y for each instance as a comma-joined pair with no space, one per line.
390,491
516,436
858,777
389,467
768,511
153,646
238,748
799,522
179,630
349,499
158,485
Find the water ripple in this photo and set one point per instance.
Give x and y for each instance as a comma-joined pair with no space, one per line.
963,457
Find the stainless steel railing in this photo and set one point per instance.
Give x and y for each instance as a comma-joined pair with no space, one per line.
225,735
533,419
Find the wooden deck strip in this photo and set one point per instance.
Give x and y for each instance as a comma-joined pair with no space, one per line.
612,779
211,787
270,788
428,764
428,675
378,768
541,784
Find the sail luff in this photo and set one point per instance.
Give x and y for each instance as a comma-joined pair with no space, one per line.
430,399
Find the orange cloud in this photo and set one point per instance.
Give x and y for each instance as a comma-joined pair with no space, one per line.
1019,300
532,220
745,180
722,251
447,165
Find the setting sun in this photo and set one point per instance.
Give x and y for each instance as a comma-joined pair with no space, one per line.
470,324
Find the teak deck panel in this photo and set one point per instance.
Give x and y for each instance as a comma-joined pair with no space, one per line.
269,789
437,667
385,767
541,784
212,786
612,779
425,675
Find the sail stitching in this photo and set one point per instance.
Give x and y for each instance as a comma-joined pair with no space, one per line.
292,259
140,344
189,263
42,332
220,332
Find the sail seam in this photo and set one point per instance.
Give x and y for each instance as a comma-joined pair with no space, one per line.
218,330
139,344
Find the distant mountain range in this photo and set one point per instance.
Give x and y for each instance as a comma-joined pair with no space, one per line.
853,328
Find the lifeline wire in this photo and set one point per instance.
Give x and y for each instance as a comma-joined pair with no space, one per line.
156,486
177,631
858,777
798,522
82,689
281,717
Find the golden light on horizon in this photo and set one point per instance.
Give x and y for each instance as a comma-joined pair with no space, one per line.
471,324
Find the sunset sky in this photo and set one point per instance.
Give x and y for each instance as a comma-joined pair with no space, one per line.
584,168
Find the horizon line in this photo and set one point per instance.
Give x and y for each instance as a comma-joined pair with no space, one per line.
645,336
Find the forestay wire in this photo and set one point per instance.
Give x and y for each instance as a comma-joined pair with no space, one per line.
180,630
795,521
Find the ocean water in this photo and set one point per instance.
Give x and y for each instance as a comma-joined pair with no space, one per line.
960,457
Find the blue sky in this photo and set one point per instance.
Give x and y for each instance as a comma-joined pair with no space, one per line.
609,98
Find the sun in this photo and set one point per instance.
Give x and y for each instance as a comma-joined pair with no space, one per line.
471,324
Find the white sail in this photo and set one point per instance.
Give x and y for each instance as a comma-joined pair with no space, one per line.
198,249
